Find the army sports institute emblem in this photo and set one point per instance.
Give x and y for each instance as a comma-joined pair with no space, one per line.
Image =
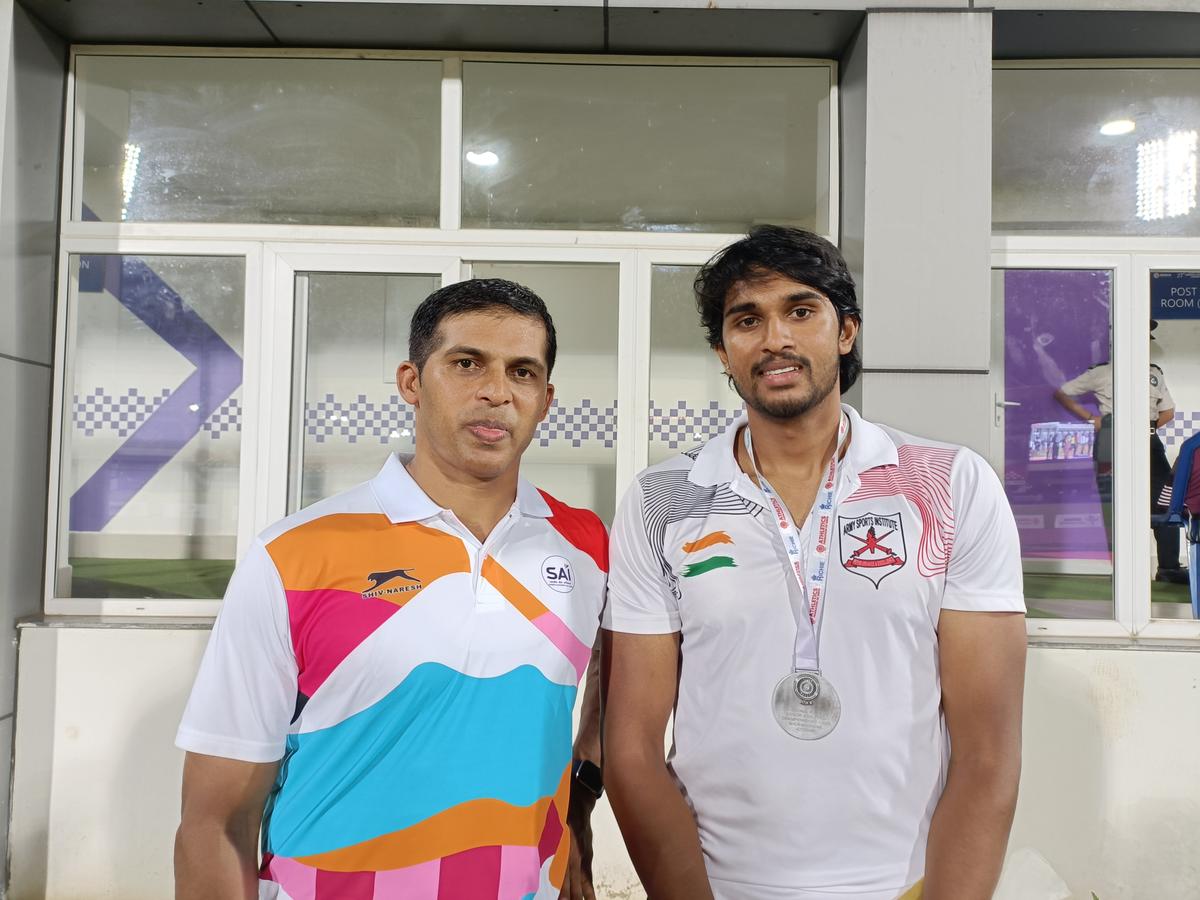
872,545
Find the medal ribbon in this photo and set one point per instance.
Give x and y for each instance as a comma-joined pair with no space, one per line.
806,655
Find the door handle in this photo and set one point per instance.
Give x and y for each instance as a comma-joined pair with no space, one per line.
1000,406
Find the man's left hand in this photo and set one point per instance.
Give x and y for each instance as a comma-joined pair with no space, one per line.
577,885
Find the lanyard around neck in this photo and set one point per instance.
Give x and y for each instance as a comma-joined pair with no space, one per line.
811,579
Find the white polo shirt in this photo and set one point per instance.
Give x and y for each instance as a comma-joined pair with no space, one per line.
695,551
418,686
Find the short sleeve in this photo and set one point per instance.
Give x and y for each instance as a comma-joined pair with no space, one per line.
1086,382
1165,400
984,572
640,601
245,692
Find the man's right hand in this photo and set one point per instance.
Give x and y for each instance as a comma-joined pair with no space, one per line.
216,847
1097,421
640,677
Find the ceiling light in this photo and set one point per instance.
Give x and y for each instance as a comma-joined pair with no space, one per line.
1118,126
129,173
1166,176
482,158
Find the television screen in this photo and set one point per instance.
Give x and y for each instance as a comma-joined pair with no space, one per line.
1061,441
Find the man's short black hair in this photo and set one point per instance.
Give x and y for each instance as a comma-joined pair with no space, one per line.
776,250
475,295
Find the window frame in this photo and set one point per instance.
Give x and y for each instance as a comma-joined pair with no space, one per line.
1131,259
274,253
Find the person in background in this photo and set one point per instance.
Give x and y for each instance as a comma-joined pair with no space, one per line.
388,690
833,611
1098,381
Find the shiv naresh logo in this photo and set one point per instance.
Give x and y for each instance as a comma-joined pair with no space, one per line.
380,580
872,545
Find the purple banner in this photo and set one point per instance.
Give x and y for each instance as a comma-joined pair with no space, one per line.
1056,325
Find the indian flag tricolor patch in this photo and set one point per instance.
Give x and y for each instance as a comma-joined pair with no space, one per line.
709,540
713,562
712,539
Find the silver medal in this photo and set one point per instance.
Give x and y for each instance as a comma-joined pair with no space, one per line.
806,705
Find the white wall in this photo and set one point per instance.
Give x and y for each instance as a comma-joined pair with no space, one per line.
1110,792
96,798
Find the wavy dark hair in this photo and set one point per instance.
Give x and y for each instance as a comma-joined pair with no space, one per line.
475,295
777,250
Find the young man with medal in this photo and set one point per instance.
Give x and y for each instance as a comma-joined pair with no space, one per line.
388,691
833,611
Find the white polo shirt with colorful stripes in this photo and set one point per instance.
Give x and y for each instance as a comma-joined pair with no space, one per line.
920,526
418,688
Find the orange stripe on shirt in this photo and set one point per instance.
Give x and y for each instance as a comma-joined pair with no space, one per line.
341,551
562,855
514,592
477,823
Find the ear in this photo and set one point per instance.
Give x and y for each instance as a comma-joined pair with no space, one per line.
723,357
549,401
847,334
408,381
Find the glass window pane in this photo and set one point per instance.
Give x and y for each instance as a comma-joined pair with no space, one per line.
152,443
1175,402
573,453
1055,407
671,148
304,141
1095,151
354,334
690,399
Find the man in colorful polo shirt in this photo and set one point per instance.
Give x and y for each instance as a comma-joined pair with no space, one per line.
827,606
390,684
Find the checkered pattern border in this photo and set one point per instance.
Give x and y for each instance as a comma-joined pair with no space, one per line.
1179,429
578,424
358,420
329,419
227,419
124,413
684,426
362,419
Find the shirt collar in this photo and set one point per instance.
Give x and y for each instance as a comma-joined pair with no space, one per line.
869,447
403,500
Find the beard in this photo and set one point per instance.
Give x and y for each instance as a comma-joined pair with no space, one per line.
800,400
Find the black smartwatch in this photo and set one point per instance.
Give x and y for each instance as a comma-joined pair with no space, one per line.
587,775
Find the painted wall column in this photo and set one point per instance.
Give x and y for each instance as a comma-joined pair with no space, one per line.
917,182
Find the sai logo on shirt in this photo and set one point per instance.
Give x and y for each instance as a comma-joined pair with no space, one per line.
556,572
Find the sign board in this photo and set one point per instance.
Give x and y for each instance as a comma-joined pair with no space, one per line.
1175,295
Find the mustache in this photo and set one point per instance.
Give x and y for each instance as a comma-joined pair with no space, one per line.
774,361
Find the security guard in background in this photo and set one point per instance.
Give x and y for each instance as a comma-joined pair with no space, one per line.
1098,381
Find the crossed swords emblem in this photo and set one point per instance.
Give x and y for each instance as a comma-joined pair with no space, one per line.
870,544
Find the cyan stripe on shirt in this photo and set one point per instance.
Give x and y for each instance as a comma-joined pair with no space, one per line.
438,739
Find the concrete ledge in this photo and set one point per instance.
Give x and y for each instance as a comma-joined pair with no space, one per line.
137,623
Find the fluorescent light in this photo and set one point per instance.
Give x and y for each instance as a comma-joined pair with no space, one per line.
482,158
1118,126
1166,176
